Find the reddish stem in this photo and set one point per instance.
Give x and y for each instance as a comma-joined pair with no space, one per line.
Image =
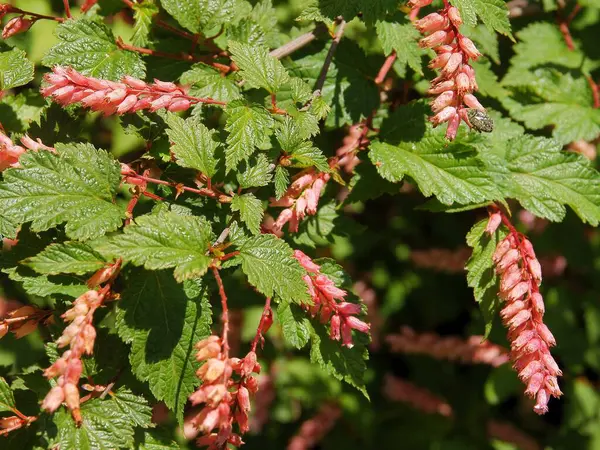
213,193
146,51
67,9
35,15
595,91
229,256
225,314
266,315
387,65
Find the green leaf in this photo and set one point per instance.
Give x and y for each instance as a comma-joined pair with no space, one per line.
481,275
70,257
142,15
539,44
450,171
76,186
271,267
206,81
162,344
558,99
193,144
256,175
41,286
493,13
346,364
15,69
106,425
545,179
250,209
164,240
153,440
282,181
201,15
257,67
302,152
403,38
248,127
89,47
485,39
7,400
294,323
487,81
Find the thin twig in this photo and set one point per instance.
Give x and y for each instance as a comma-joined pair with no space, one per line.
221,197
36,16
67,9
387,65
334,45
595,91
296,44
266,315
225,314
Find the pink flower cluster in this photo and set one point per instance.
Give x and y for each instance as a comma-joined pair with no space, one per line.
456,82
328,302
473,350
80,335
441,259
23,320
262,402
301,198
316,428
399,390
10,152
66,86
225,400
520,277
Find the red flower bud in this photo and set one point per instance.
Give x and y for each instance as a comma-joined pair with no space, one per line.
15,26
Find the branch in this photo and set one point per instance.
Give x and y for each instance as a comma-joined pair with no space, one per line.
225,314
334,45
266,319
298,43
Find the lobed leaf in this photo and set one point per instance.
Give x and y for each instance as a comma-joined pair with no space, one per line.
257,67
70,257
15,69
250,209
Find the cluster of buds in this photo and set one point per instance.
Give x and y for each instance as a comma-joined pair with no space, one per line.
301,199
441,259
24,320
10,152
520,277
329,304
80,336
316,428
353,141
455,84
399,390
66,86
473,350
225,401
369,297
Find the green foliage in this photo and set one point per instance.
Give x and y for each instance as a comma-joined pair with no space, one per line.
401,37
165,240
258,68
75,186
15,69
250,209
7,399
71,257
162,344
142,14
493,13
89,47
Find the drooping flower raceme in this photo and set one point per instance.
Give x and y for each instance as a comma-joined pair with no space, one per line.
329,304
455,84
523,313
66,86
10,152
301,199
316,428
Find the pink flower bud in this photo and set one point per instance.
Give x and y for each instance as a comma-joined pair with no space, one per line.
88,335
494,221
551,384
180,105
419,3
53,399
510,278
306,262
454,16
433,40
537,301
127,104
443,100
541,405
503,247
530,369
73,370
519,319
440,61
534,385
335,324
357,324
551,365
523,338
349,309
249,364
452,129
211,370
546,334
15,26
444,115
135,83
536,270
71,395
243,398
518,291
510,258
284,217
431,22
441,87
347,335
468,47
452,65
210,350
511,309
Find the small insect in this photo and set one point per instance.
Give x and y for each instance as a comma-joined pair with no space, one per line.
480,120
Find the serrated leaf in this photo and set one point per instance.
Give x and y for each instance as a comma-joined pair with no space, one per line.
485,39
164,240
193,144
162,344
248,126
206,81
250,209
302,152
403,38
70,257
7,400
346,364
558,99
43,287
134,407
294,323
481,275
15,69
546,179
366,183
450,171
105,424
257,174
89,47
201,15
154,440
282,181
142,15
76,186
257,67
271,268
493,13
